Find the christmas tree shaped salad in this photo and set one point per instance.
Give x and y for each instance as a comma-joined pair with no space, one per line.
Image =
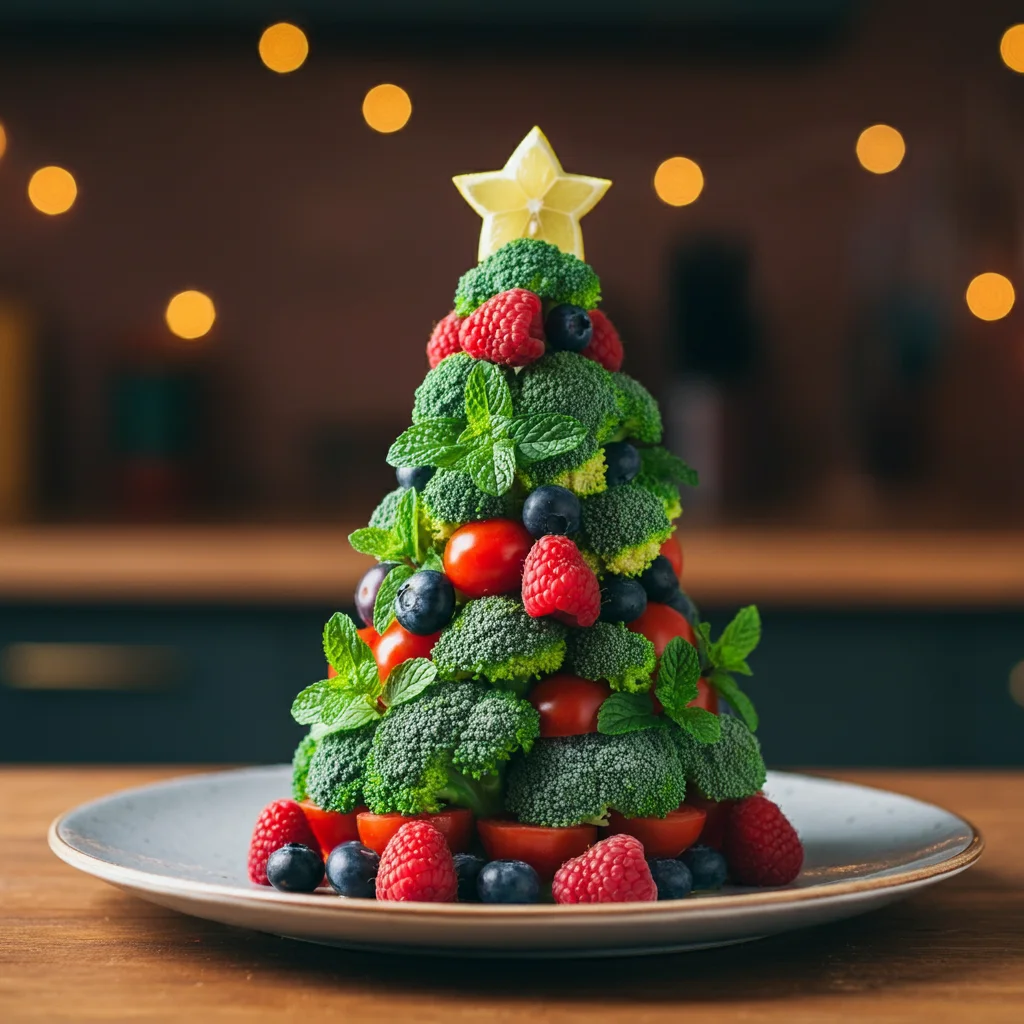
530,682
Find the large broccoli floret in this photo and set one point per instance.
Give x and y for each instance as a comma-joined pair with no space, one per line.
641,417
494,638
447,746
450,499
667,493
300,766
581,470
566,382
625,527
384,514
730,769
442,393
540,267
575,779
336,770
614,653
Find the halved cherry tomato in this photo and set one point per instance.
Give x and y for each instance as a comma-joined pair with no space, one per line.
660,623
706,698
484,559
717,813
454,823
568,705
544,849
331,828
397,644
673,551
662,837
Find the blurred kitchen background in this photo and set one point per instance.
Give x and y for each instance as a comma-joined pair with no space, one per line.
221,256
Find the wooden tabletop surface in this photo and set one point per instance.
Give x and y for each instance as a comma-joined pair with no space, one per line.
75,949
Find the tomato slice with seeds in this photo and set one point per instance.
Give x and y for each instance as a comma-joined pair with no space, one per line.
662,837
544,849
454,823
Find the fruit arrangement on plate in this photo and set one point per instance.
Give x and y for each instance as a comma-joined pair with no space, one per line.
532,707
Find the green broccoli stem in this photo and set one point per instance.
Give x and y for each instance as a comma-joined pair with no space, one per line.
482,796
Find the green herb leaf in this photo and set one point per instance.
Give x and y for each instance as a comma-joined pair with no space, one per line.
343,711
737,641
344,648
492,465
408,680
663,465
384,604
703,726
432,560
725,686
627,712
407,524
478,410
375,541
307,705
544,435
431,442
499,397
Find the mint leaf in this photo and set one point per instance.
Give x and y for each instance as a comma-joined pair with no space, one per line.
384,604
375,541
726,688
703,726
406,526
408,680
680,665
492,466
432,560
431,442
543,435
499,397
344,648
737,641
307,705
627,712
478,410
663,465
344,711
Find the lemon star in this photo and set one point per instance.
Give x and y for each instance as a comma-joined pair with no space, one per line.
531,197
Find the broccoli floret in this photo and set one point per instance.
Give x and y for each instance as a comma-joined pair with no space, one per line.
581,470
442,393
300,766
625,527
384,514
540,267
667,493
612,652
447,746
730,769
575,779
641,417
566,382
337,768
450,499
494,638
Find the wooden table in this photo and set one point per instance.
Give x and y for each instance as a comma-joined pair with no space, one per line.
74,949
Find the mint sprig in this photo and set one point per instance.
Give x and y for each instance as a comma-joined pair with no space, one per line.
627,712
676,687
384,603
401,540
728,655
661,464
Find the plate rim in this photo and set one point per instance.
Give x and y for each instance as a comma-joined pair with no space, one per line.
146,881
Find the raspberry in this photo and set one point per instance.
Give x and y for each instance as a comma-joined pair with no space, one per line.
557,581
613,871
507,329
279,823
445,339
760,845
417,865
605,346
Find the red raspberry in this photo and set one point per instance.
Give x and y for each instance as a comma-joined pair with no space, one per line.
507,329
444,340
605,346
417,865
281,822
557,581
760,845
613,871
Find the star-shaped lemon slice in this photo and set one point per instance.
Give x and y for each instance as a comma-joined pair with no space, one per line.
531,197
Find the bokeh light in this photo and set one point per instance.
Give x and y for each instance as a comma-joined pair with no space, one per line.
1011,48
190,314
3,140
1017,683
990,296
387,108
678,181
880,149
52,190
284,47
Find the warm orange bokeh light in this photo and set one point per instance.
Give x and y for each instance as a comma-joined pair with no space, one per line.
284,47
190,314
1011,48
880,149
52,190
3,140
990,296
678,181
387,108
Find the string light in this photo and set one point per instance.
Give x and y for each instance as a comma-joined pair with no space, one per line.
990,296
284,47
190,314
678,181
1011,48
52,190
387,108
880,149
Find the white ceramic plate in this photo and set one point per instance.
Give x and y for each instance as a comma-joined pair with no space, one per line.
182,844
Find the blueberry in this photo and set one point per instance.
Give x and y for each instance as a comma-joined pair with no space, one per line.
568,327
352,869
425,602
508,881
622,599
414,476
467,868
551,509
366,592
659,580
707,867
623,462
683,604
672,877
295,868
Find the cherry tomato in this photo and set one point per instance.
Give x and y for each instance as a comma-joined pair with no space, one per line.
485,559
369,636
706,698
454,823
331,828
716,814
662,837
660,623
544,849
397,644
568,705
673,551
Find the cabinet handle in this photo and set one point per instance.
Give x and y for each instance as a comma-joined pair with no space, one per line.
89,667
